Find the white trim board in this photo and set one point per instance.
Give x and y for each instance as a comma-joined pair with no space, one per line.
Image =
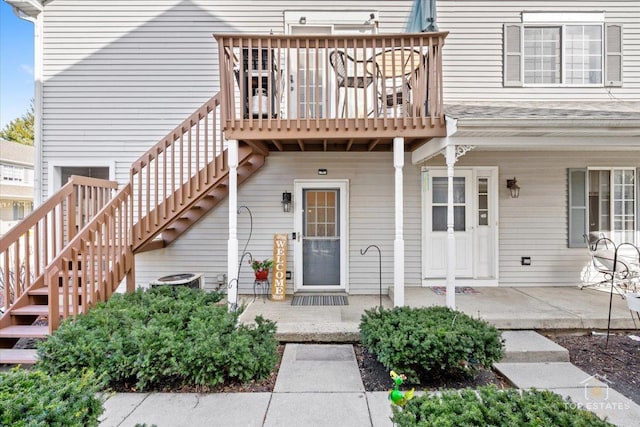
54,175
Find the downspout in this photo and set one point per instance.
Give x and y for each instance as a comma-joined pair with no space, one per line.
37,102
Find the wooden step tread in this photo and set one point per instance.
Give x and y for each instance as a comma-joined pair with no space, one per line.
45,291
31,310
24,331
11,356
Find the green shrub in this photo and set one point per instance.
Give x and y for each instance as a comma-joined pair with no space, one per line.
163,337
490,406
35,398
419,342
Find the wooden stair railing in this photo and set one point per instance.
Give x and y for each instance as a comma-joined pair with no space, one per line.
172,186
31,245
92,266
183,177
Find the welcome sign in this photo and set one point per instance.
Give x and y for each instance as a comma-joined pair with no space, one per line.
279,279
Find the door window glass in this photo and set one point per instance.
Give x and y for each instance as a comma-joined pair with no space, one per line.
483,201
439,204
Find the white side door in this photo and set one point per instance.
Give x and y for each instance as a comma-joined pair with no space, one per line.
435,206
485,223
475,195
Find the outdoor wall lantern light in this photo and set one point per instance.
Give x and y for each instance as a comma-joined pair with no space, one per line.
513,187
286,201
303,20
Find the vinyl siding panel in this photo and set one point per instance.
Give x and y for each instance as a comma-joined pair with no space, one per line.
535,224
371,221
119,75
473,57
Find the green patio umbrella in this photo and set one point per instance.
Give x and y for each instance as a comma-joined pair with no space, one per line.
422,17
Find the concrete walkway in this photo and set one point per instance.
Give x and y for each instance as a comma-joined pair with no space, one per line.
319,385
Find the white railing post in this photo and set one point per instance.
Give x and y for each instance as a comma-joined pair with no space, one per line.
232,246
451,239
398,243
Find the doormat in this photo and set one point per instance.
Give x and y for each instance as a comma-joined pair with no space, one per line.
319,300
442,290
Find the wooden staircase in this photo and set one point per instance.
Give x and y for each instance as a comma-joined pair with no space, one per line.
76,249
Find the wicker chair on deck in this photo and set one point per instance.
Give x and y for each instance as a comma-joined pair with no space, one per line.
351,74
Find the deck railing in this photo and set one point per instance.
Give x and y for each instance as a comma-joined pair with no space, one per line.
28,247
334,83
168,175
92,265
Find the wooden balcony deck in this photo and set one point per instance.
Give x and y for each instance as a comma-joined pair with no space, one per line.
331,93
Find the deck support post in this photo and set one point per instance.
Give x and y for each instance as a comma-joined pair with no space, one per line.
131,274
451,239
232,246
398,243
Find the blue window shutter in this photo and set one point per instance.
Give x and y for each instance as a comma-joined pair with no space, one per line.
577,215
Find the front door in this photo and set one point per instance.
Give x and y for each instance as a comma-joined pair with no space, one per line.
320,243
475,224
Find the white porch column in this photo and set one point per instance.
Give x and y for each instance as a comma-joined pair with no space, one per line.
451,239
232,246
398,243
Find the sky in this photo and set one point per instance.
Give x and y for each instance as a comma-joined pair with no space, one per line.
16,65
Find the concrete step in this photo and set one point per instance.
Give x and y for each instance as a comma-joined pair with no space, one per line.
10,356
530,347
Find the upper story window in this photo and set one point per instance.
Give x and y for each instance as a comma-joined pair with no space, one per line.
562,49
10,174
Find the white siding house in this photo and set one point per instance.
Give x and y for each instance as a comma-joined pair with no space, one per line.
537,89
521,101
16,183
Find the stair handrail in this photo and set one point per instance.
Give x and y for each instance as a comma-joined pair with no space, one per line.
93,264
168,174
31,244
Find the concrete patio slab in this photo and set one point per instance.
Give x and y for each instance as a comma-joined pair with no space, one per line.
314,323
530,346
319,368
590,305
318,410
507,308
192,409
549,375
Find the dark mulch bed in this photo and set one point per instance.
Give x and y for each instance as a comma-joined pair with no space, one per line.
619,361
375,376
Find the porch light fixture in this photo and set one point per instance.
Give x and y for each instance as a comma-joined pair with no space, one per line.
514,188
286,201
303,20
